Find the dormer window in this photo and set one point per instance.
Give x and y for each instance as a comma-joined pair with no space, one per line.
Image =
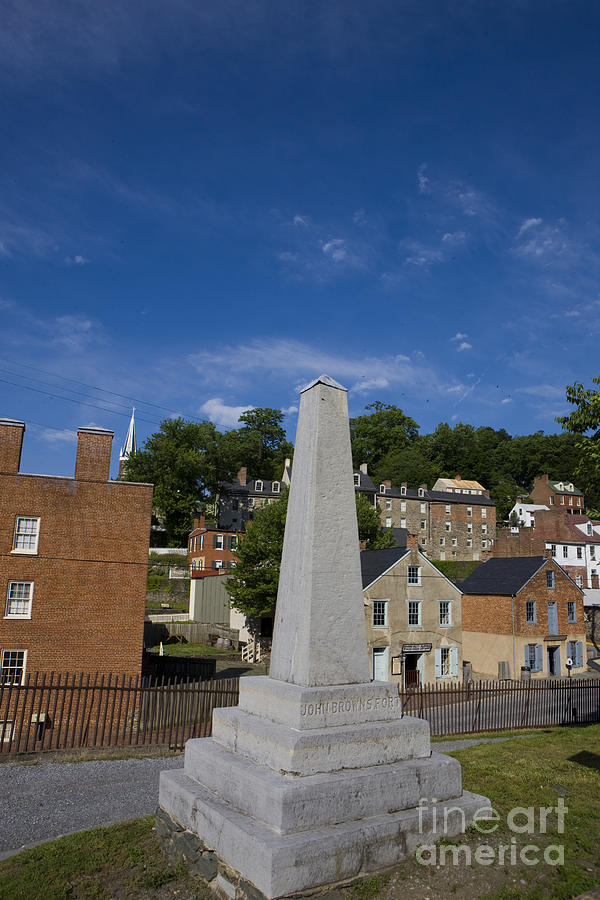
382,488
258,485
356,480
421,492
403,490
276,487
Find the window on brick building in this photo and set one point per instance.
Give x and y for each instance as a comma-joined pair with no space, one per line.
448,526
6,729
579,552
218,542
570,501
553,549
454,542
18,600
380,613
469,528
530,612
469,511
217,564
12,666
442,541
232,542
550,578
483,513
484,543
579,501
562,501
572,610
579,580
27,529
484,528
565,551
448,509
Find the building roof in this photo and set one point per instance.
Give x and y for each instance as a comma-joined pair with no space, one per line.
366,483
234,487
373,563
502,575
564,487
469,499
460,483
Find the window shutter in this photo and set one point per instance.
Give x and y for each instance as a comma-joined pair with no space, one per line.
214,542
438,663
579,655
454,661
526,654
538,657
534,612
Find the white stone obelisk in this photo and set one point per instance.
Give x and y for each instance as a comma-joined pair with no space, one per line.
319,636
316,777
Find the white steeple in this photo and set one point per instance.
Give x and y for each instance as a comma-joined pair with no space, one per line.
129,446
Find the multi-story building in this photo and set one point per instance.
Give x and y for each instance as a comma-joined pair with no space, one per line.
573,540
455,521
522,611
413,617
238,499
560,495
73,563
211,549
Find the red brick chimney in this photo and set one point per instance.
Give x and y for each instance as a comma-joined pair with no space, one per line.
11,443
92,462
387,482
242,475
412,541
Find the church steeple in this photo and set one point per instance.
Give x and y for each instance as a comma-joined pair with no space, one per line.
129,447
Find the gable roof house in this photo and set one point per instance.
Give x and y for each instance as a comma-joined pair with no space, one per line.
522,612
237,499
413,617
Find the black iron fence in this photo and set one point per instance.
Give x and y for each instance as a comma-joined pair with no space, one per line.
56,712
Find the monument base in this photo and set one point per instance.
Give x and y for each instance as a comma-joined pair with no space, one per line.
243,859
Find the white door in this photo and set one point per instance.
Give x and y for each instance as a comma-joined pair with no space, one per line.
380,663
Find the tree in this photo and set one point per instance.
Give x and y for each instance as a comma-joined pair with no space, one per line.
369,525
253,584
185,462
585,418
409,464
385,428
261,443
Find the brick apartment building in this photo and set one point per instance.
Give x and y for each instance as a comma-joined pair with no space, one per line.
560,495
211,549
522,611
73,563
454,520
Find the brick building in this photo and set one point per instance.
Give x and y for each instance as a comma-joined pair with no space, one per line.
452,522
522,611
560,495
238,499
211,549
73,563
413,617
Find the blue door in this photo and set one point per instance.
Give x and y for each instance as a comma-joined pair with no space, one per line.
552,617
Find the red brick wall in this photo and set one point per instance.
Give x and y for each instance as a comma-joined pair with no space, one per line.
89,572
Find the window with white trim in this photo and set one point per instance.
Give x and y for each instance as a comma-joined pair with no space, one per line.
565,552
380,613
276,487
579,552
448,509
382,488
484,528
579,501
483,512
469,511
448,526
12,666
403,506
414,613
442,541
422,507
579,580
388,504
469,528
18,600
484,543
414,574
218,542
454,542
27,532
553,549
423,525
445,612
258,485
592,552
403,490
356,480
445,662
469,542
217,564
530,612
588,528
6,729
388,522
402,523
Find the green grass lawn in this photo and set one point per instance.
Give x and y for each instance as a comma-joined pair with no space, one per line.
177,649
125,861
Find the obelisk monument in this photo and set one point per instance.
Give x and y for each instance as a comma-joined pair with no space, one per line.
316,777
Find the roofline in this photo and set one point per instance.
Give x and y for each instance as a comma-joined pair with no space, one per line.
400,558
523,586
406,552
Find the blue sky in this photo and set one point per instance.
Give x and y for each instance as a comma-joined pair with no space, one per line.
203,206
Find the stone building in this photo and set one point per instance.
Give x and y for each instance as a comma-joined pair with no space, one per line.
413,617
73,563
522,611
237,500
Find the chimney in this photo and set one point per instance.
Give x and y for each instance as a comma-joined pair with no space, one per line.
387,482
92,462
412,542
457,478
404,484
363,468
242,475
423,486
11,442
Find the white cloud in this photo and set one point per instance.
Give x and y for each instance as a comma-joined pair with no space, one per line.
507,400
529,223
335,249
74,332
301,220
464,345
58,436
422,256
454,237
76,260
548,391
290,410
459,336
424,182
222,414
367,384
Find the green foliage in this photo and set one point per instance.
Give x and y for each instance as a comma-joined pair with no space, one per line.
369,525
385,428
583,419
260,444
252,585
456,570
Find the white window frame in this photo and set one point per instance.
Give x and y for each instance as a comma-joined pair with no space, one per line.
219,542
382,488
403,506
3,666
448,526
554,550
276,487
469,542
411,577
423,525
454,542
217,564
469,511
483,512
448,509
483,528
380,607
29,551
565,551
258,486
423,507
403,491
483,544
388,504
469,528
28,600
442,542
447,606
415,606
356,479
402,523
6,730
530,619
388,521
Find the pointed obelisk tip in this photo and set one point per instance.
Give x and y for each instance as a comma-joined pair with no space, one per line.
323,379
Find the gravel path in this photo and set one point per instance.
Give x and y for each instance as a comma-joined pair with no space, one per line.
49,799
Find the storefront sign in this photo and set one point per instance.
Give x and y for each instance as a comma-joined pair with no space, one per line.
416,648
